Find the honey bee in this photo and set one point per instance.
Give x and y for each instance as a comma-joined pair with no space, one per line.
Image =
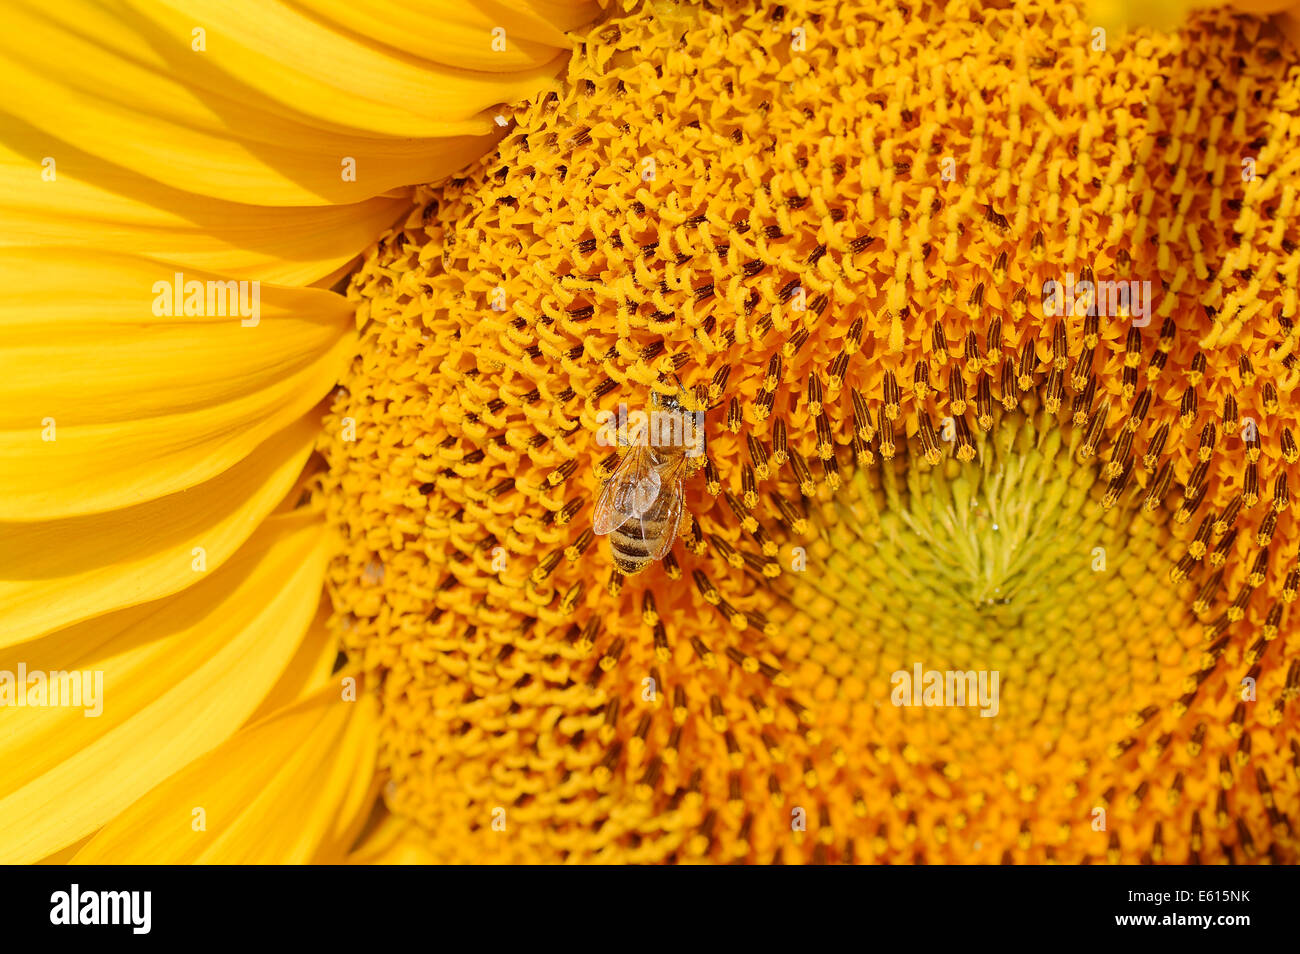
640,505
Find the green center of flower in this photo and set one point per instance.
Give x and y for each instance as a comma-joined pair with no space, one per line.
1012,571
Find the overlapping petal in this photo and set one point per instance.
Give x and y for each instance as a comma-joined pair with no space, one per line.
143,406
289,789
394,841
262,141
178,677
58,572
267,111
92,203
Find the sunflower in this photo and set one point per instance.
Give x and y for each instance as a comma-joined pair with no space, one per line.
991,319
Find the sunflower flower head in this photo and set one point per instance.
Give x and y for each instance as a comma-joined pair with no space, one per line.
836,224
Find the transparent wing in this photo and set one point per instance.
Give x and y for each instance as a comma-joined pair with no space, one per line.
628,493
667,514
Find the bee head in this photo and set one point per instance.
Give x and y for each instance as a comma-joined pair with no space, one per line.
683,401
666,402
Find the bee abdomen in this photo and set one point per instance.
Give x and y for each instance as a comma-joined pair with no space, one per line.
631,553
632,543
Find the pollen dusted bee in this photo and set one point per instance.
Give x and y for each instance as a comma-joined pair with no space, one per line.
640,506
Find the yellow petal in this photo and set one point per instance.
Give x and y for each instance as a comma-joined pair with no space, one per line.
179,676
357,797
456,33
136,93
143,406
93,203
311,667
60,572
393,841
278,792
64,855
337,78
308,673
